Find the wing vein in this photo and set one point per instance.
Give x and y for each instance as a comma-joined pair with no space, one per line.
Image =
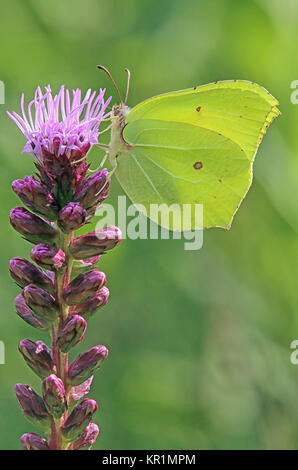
146,175
171,174
188,181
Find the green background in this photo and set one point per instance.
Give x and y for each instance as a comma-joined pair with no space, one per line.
199,340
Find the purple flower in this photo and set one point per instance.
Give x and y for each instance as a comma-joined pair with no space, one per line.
28,315
48,256
92,190
71,217
31,441
88,308
38,357
24,273
71,332
60,125
79,391
87,439
32,227
95,243
60,198
86,364
84,265
53,393
78,419
36,197
33,406
41,302
84,287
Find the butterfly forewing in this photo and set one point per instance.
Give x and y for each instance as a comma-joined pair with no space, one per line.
196,147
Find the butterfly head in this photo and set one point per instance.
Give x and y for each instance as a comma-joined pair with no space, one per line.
120,110
119,113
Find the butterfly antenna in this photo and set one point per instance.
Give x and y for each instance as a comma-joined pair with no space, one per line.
101,67
128,84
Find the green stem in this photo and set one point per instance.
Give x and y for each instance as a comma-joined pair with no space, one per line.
62,278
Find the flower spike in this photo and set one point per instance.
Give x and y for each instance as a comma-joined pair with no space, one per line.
65,290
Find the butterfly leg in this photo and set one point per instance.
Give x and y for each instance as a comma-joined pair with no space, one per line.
81,159
101,163
111,172
109,176
106,129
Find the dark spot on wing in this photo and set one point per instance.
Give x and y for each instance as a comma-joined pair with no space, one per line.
198,108
219,181
198,165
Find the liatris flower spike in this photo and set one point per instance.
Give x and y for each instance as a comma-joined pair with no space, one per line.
65,289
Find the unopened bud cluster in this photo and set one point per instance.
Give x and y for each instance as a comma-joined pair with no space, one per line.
59,293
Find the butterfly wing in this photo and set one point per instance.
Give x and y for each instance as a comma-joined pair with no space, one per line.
195,146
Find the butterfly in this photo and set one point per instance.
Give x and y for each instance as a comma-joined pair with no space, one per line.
189,147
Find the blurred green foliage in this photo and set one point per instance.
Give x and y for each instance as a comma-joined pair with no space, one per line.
200,341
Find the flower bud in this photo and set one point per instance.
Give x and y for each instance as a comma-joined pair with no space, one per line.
41,302
32,227
36,197
51,275
31,441
78,419
84,287
48,256
83,266
28,315
71,332
79,391
92,190
86,364
54,396
95,243
24,273
71,217
88,308
87,439
38,357
33,406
